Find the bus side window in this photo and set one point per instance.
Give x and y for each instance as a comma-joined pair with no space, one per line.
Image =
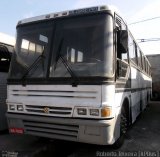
122,64
143,62
145,66
132,50
139,58
124,57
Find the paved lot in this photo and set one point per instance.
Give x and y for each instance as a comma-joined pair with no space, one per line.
142,139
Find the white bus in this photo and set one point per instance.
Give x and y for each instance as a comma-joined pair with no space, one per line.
77,75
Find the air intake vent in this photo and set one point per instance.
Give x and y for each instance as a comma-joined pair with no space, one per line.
60,131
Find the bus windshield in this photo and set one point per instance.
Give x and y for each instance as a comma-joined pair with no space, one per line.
85,43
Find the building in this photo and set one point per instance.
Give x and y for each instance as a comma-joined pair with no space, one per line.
155,70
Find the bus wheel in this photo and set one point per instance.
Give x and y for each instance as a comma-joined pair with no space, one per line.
123,129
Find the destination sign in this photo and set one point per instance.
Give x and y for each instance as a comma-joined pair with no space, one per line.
83,11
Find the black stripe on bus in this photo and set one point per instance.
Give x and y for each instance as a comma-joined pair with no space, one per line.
132,90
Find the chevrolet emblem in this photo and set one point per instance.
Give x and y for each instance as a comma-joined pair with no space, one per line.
46,110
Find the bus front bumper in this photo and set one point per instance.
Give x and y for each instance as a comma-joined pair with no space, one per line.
101,132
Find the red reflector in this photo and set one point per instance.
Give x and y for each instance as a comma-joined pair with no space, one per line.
16,130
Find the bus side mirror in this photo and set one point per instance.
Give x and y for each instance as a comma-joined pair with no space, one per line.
122,41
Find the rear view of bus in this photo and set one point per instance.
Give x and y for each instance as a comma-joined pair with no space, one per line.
63,77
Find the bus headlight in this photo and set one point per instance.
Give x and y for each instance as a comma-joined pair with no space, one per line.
12,107
81,111
106,112
20,108
94,112
91,112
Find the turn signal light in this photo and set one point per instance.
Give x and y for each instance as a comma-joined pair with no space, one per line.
106,112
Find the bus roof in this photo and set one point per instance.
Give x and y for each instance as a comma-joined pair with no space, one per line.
66,13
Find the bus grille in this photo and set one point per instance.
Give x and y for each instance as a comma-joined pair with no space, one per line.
49,110
52,130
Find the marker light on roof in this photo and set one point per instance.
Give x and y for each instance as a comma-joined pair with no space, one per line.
64,13
55,15
103,8
47,16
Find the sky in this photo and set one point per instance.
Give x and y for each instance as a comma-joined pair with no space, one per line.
132,11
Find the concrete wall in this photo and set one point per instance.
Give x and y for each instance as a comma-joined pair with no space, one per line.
155,69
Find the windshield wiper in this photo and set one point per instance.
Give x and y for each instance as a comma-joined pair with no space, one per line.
75,78
65,63
33,65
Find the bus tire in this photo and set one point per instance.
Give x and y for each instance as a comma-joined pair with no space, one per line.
119,142
123,128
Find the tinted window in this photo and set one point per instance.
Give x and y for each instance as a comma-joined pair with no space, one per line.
132,50
139,58
33,41
85,44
